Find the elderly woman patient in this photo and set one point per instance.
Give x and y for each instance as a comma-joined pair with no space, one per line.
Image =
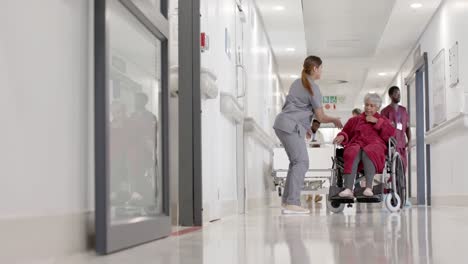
364,138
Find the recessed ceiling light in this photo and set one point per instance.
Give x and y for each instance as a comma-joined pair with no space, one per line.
373,92
290,49
278,8
294,76
382,74
416,5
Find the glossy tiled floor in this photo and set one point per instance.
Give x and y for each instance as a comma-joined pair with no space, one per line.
359,235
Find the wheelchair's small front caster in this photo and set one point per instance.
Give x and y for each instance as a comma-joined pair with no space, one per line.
334,207
349,205
280,192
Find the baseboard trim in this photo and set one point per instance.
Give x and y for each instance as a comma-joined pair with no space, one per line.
450,200
45,237
259,202
228,208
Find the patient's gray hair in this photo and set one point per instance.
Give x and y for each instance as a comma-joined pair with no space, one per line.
373,98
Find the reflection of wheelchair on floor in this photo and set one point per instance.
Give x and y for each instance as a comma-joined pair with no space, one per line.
390,186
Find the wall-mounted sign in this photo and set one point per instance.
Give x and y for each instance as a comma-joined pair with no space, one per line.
330,106
439,108
329,99
341,99
227,43
453,65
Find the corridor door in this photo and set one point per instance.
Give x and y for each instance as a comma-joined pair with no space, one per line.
419,179
131,123
241,84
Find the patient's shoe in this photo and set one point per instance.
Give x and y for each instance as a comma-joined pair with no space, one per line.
294,209
368,192
347,193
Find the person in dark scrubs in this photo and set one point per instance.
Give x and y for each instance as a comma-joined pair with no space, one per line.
400,120
303,103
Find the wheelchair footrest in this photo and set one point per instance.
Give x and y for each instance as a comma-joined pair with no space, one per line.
367,199
340,200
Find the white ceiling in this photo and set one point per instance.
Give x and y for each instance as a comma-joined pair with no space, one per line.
285,29
356,39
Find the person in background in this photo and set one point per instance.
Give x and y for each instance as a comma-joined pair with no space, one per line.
399,117
314,139
314,136
356,112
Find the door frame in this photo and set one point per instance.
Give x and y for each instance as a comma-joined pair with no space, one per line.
420,73
190,151
110,238
240,97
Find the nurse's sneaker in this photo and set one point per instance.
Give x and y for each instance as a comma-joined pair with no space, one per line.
294,209
347,193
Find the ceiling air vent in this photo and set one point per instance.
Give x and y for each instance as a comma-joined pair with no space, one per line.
332,82
344,43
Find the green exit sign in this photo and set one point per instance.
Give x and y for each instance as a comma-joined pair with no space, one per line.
329,100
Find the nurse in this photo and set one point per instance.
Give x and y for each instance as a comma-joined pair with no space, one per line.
303,103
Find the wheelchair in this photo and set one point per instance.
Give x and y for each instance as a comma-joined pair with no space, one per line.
388,187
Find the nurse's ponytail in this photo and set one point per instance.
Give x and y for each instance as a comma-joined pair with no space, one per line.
309,64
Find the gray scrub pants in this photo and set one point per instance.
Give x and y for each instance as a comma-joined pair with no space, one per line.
369,171
296,149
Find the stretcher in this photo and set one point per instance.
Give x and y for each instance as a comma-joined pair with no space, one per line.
317,178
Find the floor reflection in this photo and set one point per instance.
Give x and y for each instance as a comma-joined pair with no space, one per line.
368,234
362,234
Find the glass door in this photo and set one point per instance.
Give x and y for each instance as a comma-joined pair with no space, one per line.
131,106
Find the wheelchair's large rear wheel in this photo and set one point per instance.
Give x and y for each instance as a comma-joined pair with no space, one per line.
399,176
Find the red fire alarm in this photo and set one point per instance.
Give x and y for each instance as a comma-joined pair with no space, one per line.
204,42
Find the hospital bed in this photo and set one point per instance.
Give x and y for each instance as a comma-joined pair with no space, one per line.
317,178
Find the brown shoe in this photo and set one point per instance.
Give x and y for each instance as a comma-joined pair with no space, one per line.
318,198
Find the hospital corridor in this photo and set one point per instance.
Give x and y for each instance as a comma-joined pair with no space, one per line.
233,131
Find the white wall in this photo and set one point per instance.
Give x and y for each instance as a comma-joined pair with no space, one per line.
263,103
218,132
46,140
44,162
446,27
44,82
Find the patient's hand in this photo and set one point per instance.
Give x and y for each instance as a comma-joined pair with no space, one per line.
338,140
371,119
